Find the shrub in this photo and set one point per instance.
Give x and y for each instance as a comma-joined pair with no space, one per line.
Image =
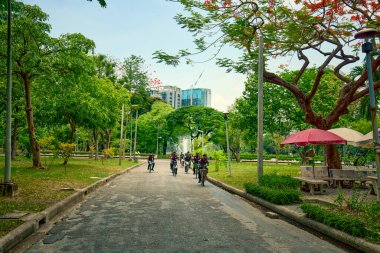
66,152
347,223
276,196
108,152
278,182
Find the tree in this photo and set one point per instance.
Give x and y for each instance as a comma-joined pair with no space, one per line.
31,47
236,131
62,93
101,2
326,28
190,120
152,125
135,79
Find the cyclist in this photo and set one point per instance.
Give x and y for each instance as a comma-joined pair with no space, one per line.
173,159
195,162
151,161
203,162
187,161
181,159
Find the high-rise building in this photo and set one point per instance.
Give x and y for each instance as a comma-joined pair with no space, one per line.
172,95
201,97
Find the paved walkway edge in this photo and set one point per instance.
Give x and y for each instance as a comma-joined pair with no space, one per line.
354,242
20,233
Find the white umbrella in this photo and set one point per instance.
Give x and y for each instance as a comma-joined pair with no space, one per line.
366,140
351,136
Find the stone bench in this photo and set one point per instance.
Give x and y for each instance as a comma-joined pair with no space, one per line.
350,176
313,185
314,179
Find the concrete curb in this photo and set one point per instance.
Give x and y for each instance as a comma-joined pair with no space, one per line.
354,242
20,233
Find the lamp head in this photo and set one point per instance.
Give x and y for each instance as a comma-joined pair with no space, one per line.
365,33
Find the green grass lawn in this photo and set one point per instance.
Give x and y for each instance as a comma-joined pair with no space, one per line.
247,172
40,188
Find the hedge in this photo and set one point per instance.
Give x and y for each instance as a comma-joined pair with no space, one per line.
347,223
279,181
277,196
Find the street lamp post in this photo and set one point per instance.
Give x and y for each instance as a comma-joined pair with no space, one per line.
134,148
367,47
228,144
130,139
202,139
158,137
260,111
8,188
121,134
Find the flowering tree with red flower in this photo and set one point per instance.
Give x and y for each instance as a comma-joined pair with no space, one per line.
305,28
155,84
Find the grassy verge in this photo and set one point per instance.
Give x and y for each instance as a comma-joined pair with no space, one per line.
39,189
247,172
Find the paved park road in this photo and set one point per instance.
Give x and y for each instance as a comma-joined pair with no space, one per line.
142,212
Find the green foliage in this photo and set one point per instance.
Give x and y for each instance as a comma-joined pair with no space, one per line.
347,223
190,120
276,196
109,152
66,152
278,181
101,2
153,125
218,156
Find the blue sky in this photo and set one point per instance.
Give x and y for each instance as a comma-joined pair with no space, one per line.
140,28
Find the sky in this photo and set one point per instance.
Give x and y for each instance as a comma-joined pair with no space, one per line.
140,28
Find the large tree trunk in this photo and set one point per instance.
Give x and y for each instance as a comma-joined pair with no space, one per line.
29,117
96,139
109,134
164,147
333,161
72,128
14,140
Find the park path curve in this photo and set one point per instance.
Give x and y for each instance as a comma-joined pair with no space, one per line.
156,212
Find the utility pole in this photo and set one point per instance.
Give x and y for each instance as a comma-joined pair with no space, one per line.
260,145
121,134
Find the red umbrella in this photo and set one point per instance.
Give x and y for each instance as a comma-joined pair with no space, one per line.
313,136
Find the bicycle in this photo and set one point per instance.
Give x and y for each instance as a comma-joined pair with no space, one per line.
174,170
195,167
150,166
203,175
187,166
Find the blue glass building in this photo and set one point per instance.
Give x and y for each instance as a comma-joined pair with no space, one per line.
201,97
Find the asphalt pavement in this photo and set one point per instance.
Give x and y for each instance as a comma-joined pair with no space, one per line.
156,212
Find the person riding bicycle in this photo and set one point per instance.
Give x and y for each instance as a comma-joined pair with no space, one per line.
173,159
195,162
151,161
203,162
181,159
188,159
